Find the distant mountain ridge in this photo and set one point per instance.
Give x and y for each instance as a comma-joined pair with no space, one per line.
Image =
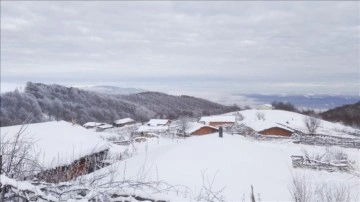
49,102
323,102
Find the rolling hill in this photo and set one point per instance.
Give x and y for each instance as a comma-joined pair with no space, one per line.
44,102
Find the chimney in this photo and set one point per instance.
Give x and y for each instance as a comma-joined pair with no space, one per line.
220,132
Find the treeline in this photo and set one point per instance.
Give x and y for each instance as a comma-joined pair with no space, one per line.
287,106
175,106
55,102
347,114
18,107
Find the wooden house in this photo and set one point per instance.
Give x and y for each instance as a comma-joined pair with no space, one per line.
200,129
276,131
218,120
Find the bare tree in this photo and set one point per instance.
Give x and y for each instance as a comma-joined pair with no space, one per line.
239,116
18,159
252,197
303,190
208,192
300,189
184,124
260,116
312,124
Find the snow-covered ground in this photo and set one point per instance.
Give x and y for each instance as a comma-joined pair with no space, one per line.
236,163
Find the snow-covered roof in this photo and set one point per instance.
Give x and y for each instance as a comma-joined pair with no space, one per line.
152,128
59,143
92,124
123,121
223,118
155,122
194,126
105,126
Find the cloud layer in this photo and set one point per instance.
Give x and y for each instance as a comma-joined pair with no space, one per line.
235,44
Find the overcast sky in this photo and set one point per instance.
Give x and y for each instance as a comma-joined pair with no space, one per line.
236,47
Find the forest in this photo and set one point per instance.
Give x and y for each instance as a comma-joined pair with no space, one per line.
55,102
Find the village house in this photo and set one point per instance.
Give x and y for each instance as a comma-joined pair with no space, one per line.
123,122
268,128
276,131
145,129
103,127
89,125
159,122
218,120
195,128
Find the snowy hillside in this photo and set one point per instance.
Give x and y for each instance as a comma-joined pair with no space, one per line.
236,163
280,118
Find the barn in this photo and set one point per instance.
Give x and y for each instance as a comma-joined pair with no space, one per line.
276,131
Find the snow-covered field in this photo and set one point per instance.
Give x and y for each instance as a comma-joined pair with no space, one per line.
236,163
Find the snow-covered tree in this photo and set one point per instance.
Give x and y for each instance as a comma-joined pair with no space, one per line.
312,124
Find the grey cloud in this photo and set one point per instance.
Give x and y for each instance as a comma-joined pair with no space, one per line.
259,42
